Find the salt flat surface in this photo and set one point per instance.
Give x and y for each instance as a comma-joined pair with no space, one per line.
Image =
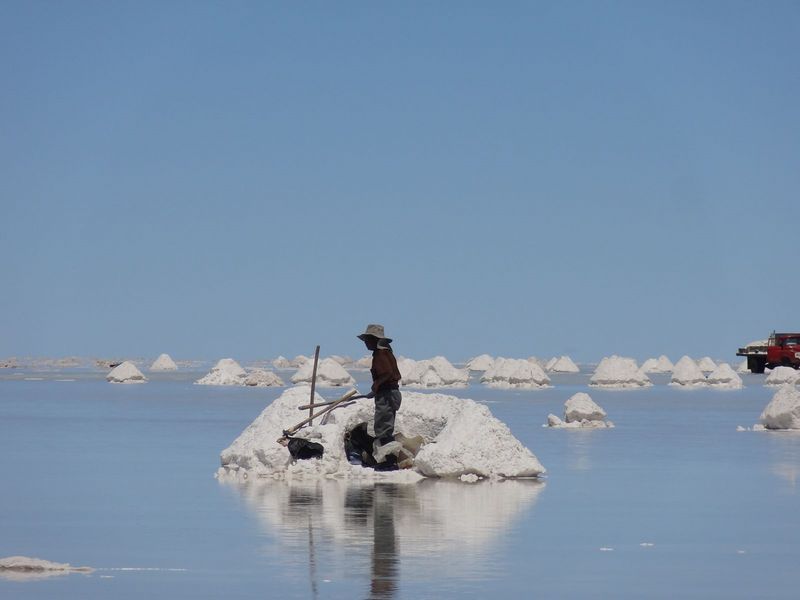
119,477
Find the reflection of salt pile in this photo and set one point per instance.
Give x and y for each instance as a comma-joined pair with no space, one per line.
724,377
24,568
462,437
262,378
619,372
563,364
687,373
781,375
515,373
480,363
358,519
164,363
126,373
662,364
783,411
706,364
281,363
226,372
329,374
580,411
434,373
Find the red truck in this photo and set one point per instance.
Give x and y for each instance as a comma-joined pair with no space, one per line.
780,350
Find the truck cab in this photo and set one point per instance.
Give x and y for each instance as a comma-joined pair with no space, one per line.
783,350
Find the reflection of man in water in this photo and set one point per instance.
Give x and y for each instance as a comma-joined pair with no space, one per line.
379,500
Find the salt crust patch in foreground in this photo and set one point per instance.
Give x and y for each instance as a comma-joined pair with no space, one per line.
462,437
126,373
619,372
329,374
164,363
687,374
515,373
580,411
226,372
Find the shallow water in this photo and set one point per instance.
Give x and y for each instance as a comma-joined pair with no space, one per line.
121,477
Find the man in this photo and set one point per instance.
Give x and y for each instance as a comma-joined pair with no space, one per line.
386,391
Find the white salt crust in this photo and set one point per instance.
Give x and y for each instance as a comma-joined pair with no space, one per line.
619,372
329,374
164,363
126,373
461,438
515,373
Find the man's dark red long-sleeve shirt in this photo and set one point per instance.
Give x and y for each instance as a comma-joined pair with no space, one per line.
385,374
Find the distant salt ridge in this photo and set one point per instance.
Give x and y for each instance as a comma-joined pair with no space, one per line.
580,411
783,411
462,438
724,377
662,364
515,373
25,568
281,363
126,373
687,373
164,363
706,364
563,364
483,362
329,374
781,376
619,372
263,378
226,372
437,372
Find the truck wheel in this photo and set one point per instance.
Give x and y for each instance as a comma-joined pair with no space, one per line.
756,364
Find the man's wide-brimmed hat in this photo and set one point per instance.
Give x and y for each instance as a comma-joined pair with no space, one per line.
374,330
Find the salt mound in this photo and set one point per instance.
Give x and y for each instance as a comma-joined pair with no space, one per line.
564,365
164,363
281,363
126,373
706,364
365,362
515,373
24,568
619,372
10,363
461,437
480,363
329,374
549,364
724,377
226,372
580,411
342,360
687,373
781,375
298,361
262,378
783,411
662,364
537,361
434,373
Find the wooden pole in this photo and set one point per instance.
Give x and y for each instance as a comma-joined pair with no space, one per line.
313,386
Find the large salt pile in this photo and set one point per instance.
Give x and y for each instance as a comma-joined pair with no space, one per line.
580,411
706,364
724,377
263,378
781,375
329,374
281,363
461,437
226,372
564,364
298,361
26,568
619,372
436,372
515,373
365,362
662,364
687,373
483,362
164,363
783,411
126,373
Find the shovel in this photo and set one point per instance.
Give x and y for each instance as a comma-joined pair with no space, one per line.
329,406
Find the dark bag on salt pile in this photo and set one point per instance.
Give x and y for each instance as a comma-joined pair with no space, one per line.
301,449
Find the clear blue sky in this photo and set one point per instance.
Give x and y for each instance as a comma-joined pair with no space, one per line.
247,179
